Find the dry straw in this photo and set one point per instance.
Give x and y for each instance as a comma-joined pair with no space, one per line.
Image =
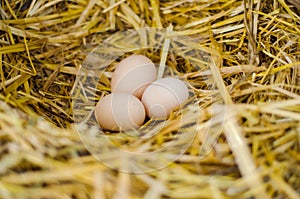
254,70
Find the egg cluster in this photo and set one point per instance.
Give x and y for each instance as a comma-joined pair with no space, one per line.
136,94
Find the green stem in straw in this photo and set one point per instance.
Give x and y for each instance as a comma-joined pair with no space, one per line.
164,54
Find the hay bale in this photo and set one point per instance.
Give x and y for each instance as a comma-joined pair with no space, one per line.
253,73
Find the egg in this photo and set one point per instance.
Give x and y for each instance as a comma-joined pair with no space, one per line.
120,111
133,74
164,95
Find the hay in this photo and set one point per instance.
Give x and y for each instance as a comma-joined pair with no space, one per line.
254,69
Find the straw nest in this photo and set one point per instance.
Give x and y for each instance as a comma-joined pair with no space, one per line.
251,73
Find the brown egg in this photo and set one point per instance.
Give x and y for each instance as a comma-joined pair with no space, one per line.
120,111
164,95
133,74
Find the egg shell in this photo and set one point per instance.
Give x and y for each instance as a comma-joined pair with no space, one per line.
120,111
133,74
164,95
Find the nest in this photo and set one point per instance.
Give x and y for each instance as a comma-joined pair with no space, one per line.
239,58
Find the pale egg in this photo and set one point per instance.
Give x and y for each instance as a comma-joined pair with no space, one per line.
133,74
164,95
120,111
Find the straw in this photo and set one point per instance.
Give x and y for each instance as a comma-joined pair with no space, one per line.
239,58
